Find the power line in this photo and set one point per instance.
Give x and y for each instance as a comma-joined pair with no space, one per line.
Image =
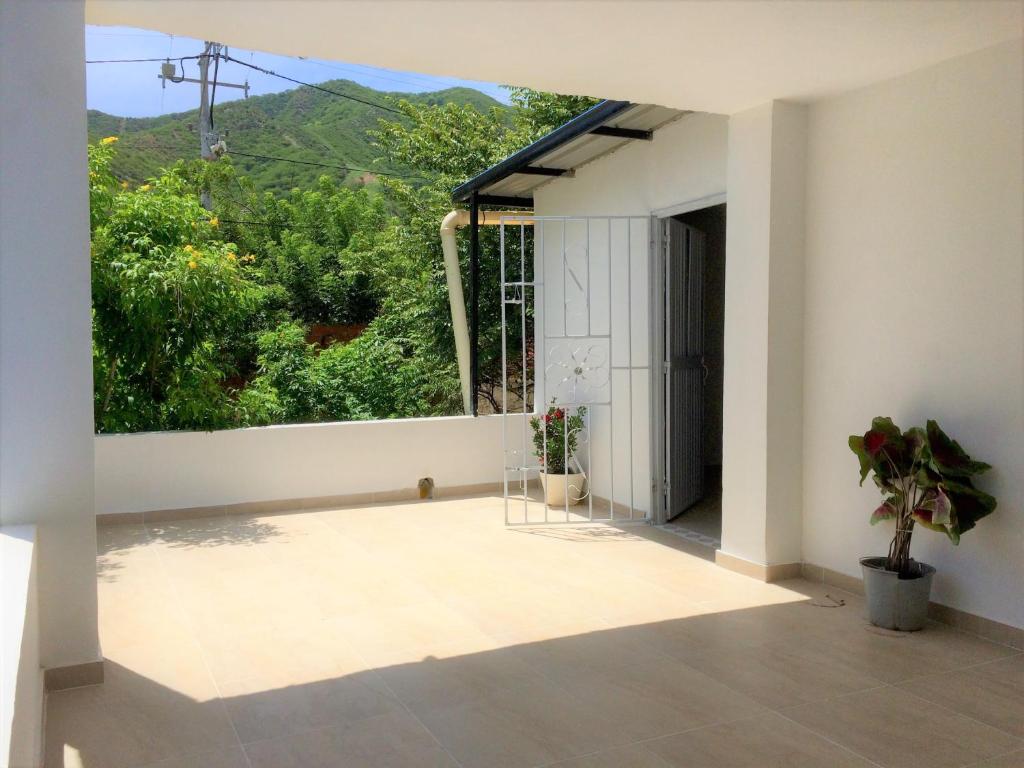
297,162
272,73
372,72
138,61
324,165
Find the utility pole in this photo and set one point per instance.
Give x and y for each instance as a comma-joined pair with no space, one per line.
205,115
210,145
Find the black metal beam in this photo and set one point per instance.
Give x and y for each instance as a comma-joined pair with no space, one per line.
474,298
536,170
581,124
623,133
503,200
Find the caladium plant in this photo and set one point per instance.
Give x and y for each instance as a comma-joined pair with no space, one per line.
925,478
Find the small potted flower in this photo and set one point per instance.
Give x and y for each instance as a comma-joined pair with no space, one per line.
925,479
555,438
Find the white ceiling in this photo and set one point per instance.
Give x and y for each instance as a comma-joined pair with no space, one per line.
709,55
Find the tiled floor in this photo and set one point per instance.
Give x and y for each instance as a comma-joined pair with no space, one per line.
429,636
701,523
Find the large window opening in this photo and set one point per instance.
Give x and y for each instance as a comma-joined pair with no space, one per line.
265,234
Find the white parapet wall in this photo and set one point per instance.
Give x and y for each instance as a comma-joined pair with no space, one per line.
179,470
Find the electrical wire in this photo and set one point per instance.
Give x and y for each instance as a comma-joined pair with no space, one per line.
296,162
136,61
361,70
272,73
324,165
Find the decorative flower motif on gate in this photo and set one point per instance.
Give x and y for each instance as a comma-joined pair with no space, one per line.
577,373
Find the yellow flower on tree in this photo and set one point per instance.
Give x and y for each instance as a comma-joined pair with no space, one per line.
189,249
145,187
231,257
124,185
192,265
214,221
109,140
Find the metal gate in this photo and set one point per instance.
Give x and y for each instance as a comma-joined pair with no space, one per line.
575,324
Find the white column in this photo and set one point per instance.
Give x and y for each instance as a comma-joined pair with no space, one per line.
46,423
762,441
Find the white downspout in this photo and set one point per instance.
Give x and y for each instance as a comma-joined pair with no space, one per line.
456,301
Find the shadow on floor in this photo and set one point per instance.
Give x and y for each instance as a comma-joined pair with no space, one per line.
788,684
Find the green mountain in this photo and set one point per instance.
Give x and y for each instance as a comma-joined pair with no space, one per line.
301,124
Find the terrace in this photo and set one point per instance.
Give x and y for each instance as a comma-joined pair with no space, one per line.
274,597
429,634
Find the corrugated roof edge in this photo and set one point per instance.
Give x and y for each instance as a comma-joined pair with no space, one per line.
583,123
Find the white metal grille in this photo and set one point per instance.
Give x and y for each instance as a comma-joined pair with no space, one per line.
575,288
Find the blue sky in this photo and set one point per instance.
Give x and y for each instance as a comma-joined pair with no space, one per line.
133,90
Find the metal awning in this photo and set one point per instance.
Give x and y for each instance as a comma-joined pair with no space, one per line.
604,128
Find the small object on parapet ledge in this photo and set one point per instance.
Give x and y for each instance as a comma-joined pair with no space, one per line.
426,486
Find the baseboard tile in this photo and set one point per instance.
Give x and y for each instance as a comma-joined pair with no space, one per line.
988,629
759,571
292,505
73,676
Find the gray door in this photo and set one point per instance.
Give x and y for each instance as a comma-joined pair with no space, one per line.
684,343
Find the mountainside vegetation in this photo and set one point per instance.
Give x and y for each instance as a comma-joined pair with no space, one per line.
202,318
302,124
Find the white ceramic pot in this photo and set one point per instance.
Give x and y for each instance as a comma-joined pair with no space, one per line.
556,487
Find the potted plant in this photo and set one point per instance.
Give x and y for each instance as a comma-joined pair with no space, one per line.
925,479
555,436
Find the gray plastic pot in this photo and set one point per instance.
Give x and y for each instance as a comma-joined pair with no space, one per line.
895,603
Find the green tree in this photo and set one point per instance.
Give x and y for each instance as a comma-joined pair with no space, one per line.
452,144
166,290
201,319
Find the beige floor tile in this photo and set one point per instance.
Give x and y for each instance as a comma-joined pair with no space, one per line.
635,756
390,741
304,652
131,721
1012,760
389,635
897,730
228,757
768,741
457,678
265,708
531,724
774,677
654,697
893,657
992,693
333,637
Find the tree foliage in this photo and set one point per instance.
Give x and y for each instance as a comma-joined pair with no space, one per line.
201,318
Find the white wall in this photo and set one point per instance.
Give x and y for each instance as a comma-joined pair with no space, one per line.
685,161
915,308
21,678
46,451
176,470
761,441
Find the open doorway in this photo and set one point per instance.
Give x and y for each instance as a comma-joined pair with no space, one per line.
695,350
